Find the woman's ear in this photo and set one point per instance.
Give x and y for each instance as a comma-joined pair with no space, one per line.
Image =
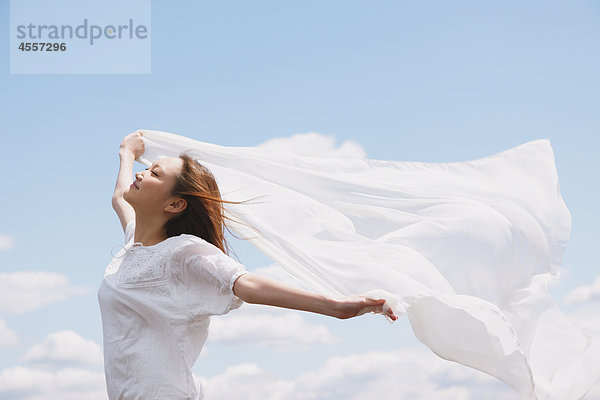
176,205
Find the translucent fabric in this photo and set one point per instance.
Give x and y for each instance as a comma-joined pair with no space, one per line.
464,249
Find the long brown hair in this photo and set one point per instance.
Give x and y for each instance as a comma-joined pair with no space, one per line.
204,215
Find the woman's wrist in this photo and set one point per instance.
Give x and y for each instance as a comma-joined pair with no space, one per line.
125,153
335,307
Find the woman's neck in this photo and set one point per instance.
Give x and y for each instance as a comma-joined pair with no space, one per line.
149,231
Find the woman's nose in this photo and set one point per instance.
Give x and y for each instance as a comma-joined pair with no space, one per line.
138,175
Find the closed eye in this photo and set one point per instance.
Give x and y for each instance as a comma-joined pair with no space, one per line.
152,171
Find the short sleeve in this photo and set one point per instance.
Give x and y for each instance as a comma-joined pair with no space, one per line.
204,277
129,231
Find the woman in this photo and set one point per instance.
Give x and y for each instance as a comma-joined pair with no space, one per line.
159,291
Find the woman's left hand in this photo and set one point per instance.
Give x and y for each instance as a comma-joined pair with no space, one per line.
352,306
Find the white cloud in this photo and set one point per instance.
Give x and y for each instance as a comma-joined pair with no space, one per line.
25,291
65,384
6,242
283,329
7,336
65,347
584,294
245,381
402,374
316,144
585,307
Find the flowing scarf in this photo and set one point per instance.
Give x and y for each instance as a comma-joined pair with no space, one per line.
465,249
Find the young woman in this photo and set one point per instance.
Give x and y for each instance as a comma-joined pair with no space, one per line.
173,273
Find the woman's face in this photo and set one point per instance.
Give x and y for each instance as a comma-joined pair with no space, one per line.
151,190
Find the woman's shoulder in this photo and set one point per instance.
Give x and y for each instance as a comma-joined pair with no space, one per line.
188,244
188,238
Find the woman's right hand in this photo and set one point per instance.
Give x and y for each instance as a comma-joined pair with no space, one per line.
132,144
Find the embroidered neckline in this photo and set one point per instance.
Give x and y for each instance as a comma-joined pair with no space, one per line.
144,268
140,244
127,251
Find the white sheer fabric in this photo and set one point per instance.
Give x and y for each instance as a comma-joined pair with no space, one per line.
464,249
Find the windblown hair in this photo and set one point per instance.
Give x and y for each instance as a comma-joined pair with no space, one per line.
204,215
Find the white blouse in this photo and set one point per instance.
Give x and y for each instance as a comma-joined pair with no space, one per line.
156,302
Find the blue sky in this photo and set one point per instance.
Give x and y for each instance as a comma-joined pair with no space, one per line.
424,81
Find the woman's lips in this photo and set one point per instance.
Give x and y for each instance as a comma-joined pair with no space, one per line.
134,185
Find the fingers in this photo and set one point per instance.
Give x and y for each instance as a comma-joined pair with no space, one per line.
133,143
372,302
136,133
365,310
391,314
377,306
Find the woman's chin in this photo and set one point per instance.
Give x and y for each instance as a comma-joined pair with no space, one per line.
127,196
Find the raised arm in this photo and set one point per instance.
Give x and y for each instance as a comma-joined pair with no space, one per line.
131,147
257,289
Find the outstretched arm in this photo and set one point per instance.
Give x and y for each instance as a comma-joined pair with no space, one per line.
132,147
256,289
